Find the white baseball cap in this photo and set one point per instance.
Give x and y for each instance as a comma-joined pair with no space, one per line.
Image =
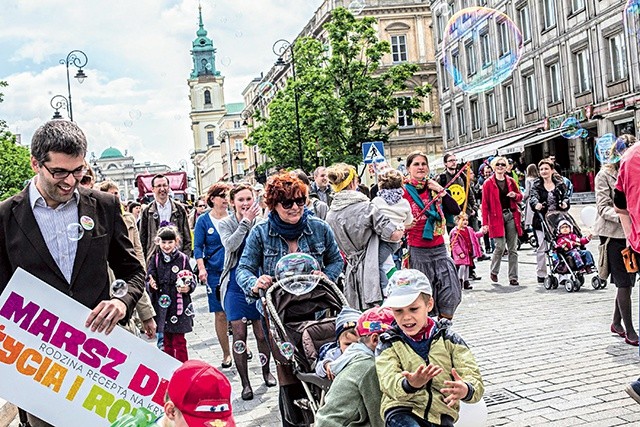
405,286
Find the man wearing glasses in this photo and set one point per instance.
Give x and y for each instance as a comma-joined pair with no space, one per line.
65,234
163,210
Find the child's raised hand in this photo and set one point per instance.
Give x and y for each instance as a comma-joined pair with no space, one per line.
422,375
455,390
484,229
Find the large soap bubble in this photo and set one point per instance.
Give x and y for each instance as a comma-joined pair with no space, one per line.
294,273
631,17
487,41
609,148
571,128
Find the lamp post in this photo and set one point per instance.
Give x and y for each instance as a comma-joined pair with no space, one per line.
224,136
279,48
78,59
58,102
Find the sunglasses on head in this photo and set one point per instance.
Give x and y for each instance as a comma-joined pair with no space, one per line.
288,204
504,165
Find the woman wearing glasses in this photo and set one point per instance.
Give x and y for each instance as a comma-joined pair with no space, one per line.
358,226
209,254
201,207
500,211
548,193
289,228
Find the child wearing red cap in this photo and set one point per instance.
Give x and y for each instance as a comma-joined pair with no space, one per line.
354,396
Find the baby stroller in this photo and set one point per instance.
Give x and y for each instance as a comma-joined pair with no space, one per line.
299,324
564,271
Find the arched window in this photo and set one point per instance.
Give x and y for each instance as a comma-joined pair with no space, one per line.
207,97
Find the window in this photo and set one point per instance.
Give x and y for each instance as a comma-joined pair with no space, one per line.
462,124
404,118
448,125
486,49
471,58
455,60
509,106
239,167
491,108
531,103
577,5
525,23
504,38
399,48
238,145
237,124
549,11
444,77
583,71
475,115
617,58
555,82
440,23
207,97
210,138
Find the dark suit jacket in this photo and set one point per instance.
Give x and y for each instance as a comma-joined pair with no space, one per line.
22,245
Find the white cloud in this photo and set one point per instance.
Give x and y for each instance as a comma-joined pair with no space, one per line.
136,95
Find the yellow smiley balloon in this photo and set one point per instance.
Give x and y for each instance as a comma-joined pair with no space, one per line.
458,193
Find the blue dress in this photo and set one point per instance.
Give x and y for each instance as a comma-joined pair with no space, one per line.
208,246
235,301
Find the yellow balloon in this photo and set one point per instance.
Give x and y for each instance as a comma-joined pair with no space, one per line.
458,193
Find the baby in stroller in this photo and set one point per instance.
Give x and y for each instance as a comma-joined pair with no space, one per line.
574,246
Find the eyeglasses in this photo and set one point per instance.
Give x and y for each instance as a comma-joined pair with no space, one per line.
288,204
161,186
501,165
452,160
63,173
202,206
222,196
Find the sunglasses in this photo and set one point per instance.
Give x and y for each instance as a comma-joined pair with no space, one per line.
504,165
202,206
288,204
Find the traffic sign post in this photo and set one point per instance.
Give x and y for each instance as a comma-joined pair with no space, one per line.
372,152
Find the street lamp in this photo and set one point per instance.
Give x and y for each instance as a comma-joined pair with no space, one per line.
224,136
78,59
58,102
279,48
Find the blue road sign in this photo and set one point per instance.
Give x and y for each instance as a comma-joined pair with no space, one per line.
372,151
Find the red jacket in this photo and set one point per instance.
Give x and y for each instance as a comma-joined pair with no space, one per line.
492,210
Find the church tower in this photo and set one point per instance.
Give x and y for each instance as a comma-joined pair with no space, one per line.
206,93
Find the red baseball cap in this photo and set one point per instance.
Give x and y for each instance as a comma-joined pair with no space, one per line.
202,394
376,320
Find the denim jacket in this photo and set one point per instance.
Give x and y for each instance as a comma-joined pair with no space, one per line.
264,248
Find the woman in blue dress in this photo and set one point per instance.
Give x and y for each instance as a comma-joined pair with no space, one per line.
234,231
209,254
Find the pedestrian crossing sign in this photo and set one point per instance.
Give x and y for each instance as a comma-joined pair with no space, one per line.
372,152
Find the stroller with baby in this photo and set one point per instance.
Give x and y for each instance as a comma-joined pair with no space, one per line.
563,268
301,311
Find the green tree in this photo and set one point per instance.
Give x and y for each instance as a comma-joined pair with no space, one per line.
345,97
14,161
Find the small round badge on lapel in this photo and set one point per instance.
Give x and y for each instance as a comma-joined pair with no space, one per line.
175,269
87,222
210,230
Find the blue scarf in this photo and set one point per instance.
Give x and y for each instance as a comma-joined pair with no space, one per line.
286,230
433,216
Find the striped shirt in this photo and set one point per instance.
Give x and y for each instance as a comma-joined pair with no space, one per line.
59,228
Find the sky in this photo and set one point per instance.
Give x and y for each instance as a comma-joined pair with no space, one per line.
135,97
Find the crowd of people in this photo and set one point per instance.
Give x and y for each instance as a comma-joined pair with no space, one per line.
393,339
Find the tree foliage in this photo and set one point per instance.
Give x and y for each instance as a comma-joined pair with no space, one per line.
14,161
345,97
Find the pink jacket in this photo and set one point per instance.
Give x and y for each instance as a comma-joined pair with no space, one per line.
459,246
570,241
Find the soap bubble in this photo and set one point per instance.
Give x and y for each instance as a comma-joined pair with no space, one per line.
226,61
189,311
244,320
266,90
356,7
609,149
239,347
238,34
287,350
571,128
631,16
164,301
490,39
157,240
174,319
75,232
128,123
263,359
119,288
135,114
294,273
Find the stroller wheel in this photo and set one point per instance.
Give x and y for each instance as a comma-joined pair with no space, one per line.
580,278
568,285
554,282
533,240
576,285
598,283
548,282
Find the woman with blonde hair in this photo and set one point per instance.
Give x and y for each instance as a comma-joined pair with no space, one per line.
358,225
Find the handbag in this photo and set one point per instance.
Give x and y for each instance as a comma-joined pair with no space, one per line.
603,264
629,258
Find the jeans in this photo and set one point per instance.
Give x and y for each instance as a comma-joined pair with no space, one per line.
510,239
405,419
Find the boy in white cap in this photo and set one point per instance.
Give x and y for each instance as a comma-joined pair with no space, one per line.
424,368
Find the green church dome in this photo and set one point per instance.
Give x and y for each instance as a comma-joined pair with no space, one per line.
111,153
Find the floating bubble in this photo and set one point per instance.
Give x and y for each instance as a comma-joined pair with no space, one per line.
631,16
128,123
75,232
209,290
585,133
174,319
287,350
263,359
244,320
239,347
488,41
189,311
571,128
135,114
294,273
119,288
224,19
609,149
164,301
356,7
226,61
238,34
177,117
266,90
157,240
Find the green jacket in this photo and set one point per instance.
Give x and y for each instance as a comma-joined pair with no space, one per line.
354,397
448,351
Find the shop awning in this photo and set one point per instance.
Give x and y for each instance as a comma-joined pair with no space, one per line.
537,138
492,148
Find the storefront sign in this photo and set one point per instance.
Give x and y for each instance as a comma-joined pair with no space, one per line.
54,367
616,105
556,122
